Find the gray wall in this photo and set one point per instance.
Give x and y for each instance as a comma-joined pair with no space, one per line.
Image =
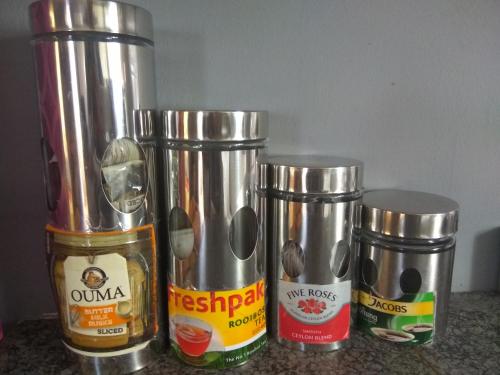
410,87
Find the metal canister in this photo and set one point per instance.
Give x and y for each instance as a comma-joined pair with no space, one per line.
405,249
216,291
312,200
94,63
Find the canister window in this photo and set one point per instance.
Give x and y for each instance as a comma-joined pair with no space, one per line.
410,281
124,175
369,272
181,233
339,262
243,232
292,259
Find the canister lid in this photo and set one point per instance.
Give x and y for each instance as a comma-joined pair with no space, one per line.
408,214
315,174
50,16
214,126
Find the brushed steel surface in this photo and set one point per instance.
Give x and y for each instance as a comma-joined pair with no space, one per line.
89,94
408,214
214,126
48,16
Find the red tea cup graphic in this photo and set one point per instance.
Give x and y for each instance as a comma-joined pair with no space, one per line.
193,335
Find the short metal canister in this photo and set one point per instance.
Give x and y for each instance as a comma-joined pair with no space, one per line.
312,200
216,290
405,250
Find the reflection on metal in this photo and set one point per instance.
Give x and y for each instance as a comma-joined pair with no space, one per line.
211,175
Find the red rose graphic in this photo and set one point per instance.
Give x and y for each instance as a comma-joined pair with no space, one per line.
312,306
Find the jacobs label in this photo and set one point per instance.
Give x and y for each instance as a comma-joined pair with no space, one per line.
314,314
217,329
408,320
97,294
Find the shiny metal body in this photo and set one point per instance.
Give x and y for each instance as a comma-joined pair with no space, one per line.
117,364
262,216
94,63
312,202
215,126
211,174
263,211
91,83
315,174
400,230
103,16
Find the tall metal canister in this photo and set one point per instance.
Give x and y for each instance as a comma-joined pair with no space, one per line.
405,248
313,201
94,63
216,289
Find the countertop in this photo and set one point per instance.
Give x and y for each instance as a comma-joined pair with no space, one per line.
472,346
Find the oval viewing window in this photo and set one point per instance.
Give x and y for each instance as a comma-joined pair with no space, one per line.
243,232
292,259
340,259
124,175
370,272
410,281
181,233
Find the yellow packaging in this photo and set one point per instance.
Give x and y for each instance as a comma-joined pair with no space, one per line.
217,329
395,307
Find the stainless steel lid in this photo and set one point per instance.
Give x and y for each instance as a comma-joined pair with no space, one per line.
408,214
313,174
50,16
214,126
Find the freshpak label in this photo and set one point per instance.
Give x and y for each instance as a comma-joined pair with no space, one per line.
219,328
